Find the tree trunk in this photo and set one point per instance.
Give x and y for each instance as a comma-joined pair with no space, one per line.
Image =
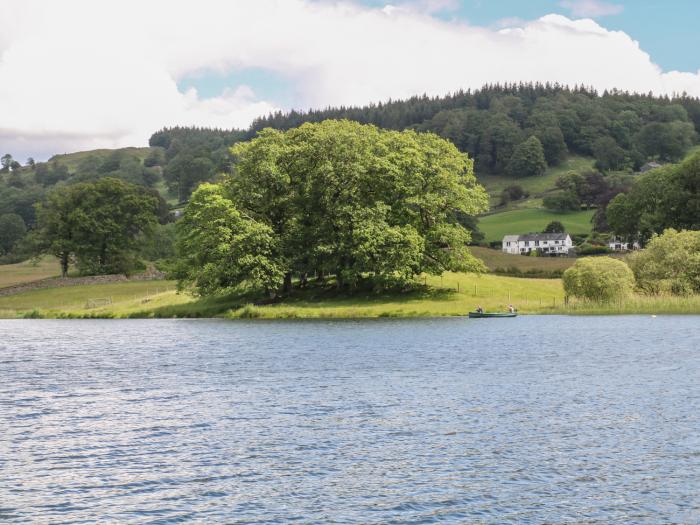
64,265
287,286
320,276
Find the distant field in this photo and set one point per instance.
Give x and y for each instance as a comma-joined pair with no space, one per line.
532,220
72,160
497,259
75,298
495,184
25,272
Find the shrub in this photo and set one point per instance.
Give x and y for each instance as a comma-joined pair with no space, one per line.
591,249
562,201
670,263
554,227
600,279
514,192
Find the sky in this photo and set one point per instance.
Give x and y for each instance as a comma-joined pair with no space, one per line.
79,74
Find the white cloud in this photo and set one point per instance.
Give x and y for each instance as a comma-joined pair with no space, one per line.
591,8
80,74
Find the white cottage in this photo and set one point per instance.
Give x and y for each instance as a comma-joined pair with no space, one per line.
545,243
618,245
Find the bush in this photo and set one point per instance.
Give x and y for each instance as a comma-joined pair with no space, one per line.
670,263
514,192
554,227
562,201
600,279
591,249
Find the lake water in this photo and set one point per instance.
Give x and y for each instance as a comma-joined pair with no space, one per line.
536,420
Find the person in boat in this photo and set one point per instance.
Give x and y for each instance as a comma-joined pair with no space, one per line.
479,310
511,309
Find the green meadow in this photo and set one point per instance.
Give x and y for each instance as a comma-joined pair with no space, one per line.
28,271
453,294
531,220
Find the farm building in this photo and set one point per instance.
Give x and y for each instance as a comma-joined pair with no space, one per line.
546,243
618,245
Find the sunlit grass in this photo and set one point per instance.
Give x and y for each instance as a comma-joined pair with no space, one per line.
28,271
453,294
517,222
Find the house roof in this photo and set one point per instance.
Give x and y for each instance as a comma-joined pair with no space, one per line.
536,237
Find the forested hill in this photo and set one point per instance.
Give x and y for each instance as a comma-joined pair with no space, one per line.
620,130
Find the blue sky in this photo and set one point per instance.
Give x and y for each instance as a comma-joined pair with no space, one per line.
666,29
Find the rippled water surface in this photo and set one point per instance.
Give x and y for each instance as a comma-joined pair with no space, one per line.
527,420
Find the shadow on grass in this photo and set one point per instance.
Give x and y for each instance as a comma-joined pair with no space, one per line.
313,296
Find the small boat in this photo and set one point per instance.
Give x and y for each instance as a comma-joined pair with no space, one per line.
477,315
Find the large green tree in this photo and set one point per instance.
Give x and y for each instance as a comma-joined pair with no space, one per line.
528,159
668,197
99,224
670,263
351,200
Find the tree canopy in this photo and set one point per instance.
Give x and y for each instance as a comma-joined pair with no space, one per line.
337,197
98,224
670,263
667,197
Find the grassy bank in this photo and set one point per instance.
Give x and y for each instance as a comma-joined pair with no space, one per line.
450,295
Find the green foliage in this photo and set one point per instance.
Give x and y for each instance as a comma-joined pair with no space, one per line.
160,243
599,279
192,156
337,198
609,155
670,263
489,123
592,249
100,224
220,248
513,192
668,197
528,159
562,201
12,230
666,140
554,227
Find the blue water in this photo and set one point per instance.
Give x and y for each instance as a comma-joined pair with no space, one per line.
536,420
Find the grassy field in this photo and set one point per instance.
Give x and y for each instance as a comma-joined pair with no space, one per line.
536,186
497,259
28,271
450,295
531,220
125,296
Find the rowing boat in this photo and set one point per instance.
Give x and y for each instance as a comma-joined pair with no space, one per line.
476,315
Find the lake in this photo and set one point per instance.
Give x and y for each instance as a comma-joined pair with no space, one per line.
537,419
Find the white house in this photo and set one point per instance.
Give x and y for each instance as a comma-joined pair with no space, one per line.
618,245
545,243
